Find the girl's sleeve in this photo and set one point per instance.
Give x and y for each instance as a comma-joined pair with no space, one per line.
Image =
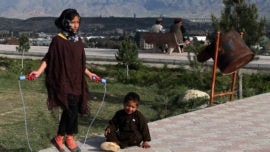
83,59
49,55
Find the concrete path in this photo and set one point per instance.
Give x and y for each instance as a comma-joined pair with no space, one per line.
95,55
237,126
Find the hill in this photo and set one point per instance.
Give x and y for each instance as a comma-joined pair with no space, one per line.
120,8
94,25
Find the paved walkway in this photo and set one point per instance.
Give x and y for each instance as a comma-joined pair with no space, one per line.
147,56
237,126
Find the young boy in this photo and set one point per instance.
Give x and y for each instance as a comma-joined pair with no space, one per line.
128,127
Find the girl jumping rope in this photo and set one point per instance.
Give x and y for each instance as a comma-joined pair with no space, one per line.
65,68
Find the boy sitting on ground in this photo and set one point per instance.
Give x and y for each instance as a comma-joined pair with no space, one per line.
128,127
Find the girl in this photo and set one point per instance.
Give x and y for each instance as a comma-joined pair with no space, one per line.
64,65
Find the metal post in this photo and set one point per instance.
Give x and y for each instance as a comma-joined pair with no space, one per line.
233,84
214,70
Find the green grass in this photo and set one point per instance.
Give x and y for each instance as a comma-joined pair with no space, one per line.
159,89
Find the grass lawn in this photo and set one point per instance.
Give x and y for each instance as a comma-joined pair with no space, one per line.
159,89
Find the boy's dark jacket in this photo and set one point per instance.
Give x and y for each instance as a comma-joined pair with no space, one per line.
130,125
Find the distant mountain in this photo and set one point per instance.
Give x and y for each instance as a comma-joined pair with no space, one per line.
105,26
23,9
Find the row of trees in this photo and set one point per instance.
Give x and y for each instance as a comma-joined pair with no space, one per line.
237,15
240,16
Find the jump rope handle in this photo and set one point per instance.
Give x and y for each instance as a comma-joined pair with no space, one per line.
98,79
28,77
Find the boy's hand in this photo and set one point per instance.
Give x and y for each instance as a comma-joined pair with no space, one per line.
146,144
107,132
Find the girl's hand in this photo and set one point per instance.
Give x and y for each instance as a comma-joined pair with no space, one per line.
35,73
91,75
40,70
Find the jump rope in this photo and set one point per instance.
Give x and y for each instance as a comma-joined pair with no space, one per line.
33,77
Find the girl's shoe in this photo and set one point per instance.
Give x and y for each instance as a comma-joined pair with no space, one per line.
71,145
110,146
57,141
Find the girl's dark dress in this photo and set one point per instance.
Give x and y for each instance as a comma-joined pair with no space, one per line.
65,81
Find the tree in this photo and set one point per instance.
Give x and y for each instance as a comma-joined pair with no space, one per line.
127,54
24,45
242,17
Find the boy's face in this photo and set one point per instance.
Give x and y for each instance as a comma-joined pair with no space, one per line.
130,107
75,24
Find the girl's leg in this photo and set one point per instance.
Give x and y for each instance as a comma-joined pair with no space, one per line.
69,122
57,141
69,119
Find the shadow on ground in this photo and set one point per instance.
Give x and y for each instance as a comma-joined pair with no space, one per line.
93,143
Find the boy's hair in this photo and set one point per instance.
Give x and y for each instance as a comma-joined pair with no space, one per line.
132,96
63,21
159,21
177,20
